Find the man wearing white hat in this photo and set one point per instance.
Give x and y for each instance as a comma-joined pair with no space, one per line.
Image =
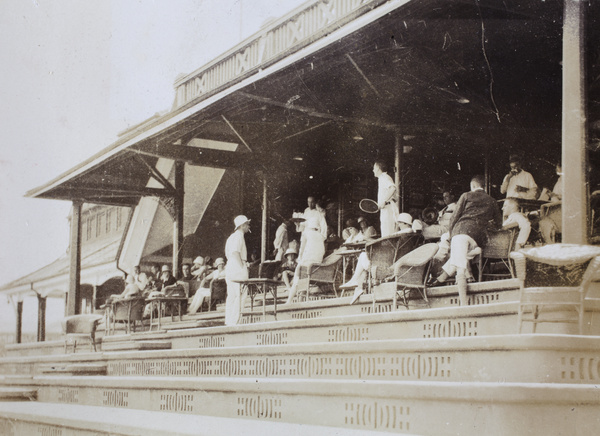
236,269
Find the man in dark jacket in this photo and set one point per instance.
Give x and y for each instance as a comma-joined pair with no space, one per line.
475,212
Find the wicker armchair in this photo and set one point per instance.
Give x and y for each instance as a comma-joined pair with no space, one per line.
556,275
498,248
80,327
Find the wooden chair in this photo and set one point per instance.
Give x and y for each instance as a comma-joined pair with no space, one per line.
77,327
548,282
411,271
127,311
497,250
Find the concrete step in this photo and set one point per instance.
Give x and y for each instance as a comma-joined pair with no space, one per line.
428,408
73,368
509,358
24,419
8,393
137,345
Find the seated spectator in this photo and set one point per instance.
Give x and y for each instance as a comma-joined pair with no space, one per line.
518,183
204,290
550,224
199,268
154,276
143,282
131,289
435,228
368,232
346,232
353,232
404,223
468,231
512,217
288,267
332,242
186,272
166,278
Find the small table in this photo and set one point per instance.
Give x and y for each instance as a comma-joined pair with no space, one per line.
261,286
160,302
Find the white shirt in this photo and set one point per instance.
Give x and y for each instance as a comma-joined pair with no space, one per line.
281,238
523,179
386,190
236,243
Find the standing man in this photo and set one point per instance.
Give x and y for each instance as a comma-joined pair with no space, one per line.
475,212
385,199
518,183
236,269
281,242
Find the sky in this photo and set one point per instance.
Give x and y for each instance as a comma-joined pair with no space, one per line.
75,73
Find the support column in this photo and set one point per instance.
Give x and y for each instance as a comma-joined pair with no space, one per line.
399,170
178,218
574,135
486,169
41,327
74,296
265,217
19,321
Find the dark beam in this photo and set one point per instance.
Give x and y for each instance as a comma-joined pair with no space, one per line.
84,192
200,156
74,296
313,113
41,326
178,218
18,337
156,174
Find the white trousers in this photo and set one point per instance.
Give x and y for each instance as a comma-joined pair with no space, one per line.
387,217
235,299
198,299
460,245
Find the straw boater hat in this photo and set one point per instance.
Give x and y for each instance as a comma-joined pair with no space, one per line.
239,220
404,218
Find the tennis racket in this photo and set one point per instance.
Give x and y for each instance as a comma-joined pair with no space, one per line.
369,206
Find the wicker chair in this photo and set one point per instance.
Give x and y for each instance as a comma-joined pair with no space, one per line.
384,252
77,327
556,281
326,273
498,248
127,311
411,271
